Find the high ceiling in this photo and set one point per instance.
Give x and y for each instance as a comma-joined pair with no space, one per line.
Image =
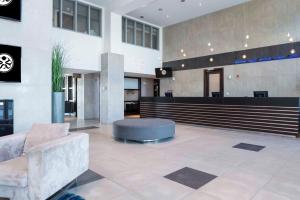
166,12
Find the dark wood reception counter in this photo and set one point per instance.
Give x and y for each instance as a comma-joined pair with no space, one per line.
275,115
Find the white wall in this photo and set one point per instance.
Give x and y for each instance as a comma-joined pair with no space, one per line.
137,59
36,35
32,97
83,52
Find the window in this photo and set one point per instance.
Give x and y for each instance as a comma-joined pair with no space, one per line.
68,14
124,29
130,31
95,21
155,37
76,16
147,36
82,18
140,34
56,13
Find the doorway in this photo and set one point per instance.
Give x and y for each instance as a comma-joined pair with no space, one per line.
70,89
82,99
132,95
214,83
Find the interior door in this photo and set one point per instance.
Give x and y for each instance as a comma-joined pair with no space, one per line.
214,82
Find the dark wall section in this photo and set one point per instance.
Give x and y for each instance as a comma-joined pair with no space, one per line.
263,54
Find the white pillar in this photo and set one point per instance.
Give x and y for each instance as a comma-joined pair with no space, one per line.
112,87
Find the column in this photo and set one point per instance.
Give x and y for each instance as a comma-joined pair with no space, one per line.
111,88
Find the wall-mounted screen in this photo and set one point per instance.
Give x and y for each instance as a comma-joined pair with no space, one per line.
10,9
165,72
10,63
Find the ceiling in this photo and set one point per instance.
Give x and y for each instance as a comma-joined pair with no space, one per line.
166,12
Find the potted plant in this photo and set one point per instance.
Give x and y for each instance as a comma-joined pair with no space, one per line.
58,95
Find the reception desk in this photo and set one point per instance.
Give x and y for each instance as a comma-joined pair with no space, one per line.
274,115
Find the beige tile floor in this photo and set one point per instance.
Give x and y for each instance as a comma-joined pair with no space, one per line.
135,171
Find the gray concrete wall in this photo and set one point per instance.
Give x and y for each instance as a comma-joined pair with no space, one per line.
280,78
147,87
183,86
112,88
92,96
88,96
266,21
80,98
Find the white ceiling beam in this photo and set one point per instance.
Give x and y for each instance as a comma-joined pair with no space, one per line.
125,6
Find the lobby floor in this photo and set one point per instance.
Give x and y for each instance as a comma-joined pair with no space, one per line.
80,123
137,171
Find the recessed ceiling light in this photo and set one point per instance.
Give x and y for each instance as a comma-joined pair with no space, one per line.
293,51
246,45
184,55
211,59
244,56
182,65
289,35
291,39
181,50
211,49
247,37
209,44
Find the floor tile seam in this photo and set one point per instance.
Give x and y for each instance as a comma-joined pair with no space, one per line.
192,193
187,195
270,180
130,190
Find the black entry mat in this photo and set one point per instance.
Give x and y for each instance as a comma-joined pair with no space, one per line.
249,147
87,177
191,177
83,128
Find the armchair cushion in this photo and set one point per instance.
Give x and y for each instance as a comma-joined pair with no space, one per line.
11,146
14,172
42,133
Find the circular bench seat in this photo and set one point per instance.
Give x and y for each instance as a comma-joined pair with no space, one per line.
144,130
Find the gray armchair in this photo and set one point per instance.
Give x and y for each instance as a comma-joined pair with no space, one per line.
44,169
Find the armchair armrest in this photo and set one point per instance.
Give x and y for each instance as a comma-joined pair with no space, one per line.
54,164
11,146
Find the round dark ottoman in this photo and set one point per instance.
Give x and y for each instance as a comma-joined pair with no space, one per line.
144,130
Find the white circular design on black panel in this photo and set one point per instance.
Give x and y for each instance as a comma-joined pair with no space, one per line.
6,63
164,72
5,2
